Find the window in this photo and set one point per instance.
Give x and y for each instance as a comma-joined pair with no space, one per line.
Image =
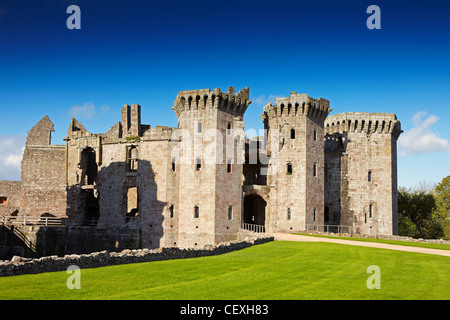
365,218
292,133
289,213
369,176
229,166
173,164
289,168
199,127
171,211
315,135
198,164
3,200
314,214
327,214
132,202
370,210
315,170
196,212
132,159
230,212
229,128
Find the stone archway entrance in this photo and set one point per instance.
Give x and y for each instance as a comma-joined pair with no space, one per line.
254,210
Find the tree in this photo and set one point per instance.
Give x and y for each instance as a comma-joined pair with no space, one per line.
416,208
442,211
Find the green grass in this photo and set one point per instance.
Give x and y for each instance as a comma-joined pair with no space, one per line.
275,270
441,246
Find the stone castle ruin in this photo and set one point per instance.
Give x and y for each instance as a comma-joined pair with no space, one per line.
205,182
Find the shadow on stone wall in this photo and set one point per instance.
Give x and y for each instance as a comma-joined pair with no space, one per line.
116,209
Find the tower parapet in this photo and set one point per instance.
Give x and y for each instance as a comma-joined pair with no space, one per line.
203,99
363,122
298,104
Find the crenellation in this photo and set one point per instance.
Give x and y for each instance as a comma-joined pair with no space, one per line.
203,182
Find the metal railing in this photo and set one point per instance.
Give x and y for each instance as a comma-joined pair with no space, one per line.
254,227
90,222
330,228
27,221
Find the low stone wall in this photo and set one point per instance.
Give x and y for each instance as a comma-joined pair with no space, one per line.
386,237
19,265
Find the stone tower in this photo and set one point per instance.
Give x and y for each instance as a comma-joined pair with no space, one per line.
294,127
210,177
361,172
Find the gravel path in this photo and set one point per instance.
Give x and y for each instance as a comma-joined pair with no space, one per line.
293,237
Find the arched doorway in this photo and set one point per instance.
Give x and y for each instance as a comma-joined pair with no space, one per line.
254,210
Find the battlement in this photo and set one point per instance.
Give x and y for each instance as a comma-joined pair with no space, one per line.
204,99
298,104
363,122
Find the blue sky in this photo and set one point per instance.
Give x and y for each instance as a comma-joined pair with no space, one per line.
146,51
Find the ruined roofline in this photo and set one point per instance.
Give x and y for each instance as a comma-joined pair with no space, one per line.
363,122
298,104
206,99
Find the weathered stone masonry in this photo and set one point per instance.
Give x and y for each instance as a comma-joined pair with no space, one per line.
136,186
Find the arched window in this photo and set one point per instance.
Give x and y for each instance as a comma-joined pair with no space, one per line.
132,159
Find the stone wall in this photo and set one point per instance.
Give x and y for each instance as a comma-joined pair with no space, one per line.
18,265
9,197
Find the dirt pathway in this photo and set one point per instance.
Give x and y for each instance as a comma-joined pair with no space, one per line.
292,237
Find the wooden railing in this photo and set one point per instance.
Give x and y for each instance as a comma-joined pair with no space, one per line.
29,221
254,227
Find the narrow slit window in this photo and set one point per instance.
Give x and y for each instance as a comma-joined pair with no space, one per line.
369,176
196,212
292,133
289,168
315,170
171,211
289,213
370,210
230,212
315,135
314,214
229,166
198,164
173,165
199,127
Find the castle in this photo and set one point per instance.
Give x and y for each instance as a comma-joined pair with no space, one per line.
205,181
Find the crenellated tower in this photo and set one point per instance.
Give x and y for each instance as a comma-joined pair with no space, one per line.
209,170
361,172
295,128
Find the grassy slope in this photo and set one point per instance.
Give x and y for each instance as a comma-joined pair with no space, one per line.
276,270
441,246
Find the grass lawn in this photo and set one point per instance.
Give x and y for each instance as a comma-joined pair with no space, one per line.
275,270
441,246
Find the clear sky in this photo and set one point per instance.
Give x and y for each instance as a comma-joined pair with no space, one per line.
146,51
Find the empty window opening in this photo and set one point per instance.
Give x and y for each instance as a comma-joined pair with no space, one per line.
89,167
289,213
315,170
369,176
3,200
229,166
196,212
289,168
315,134
198,164
370,210
230,212
327,214
292,133
132,203
314,214
365,218
133,159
